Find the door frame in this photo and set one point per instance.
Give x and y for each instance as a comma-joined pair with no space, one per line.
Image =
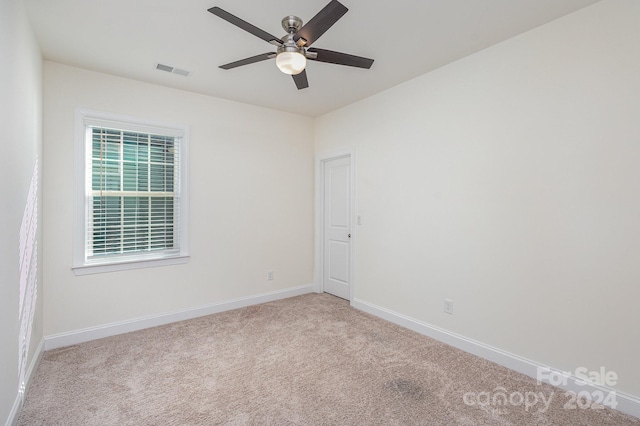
321,159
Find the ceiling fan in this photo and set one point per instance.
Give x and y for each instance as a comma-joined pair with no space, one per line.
294,49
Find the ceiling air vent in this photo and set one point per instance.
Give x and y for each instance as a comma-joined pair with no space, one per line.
173,70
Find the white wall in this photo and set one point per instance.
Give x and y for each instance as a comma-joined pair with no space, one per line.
20,121
251,206
509,182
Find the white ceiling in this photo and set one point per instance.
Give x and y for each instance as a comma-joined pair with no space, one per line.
406,38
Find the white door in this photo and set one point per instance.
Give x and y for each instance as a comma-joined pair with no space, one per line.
337,227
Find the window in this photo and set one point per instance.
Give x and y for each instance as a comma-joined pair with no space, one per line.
131,193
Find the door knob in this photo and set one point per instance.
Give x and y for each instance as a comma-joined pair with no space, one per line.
349,236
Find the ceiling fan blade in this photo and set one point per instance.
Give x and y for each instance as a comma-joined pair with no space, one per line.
332,57
320,23
301,80
269,38
247,61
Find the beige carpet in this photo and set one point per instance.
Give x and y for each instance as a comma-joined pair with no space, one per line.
308,360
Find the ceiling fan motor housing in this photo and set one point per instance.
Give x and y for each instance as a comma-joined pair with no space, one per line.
290,45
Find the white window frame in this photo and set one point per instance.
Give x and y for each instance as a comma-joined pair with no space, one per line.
82,174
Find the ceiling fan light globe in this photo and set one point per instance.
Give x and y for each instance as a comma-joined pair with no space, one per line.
291,63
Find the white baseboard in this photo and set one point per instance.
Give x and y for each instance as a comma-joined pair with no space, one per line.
19,402
621,401
15,411
93,333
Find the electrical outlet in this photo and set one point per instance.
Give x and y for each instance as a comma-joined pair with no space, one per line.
269,275
448,306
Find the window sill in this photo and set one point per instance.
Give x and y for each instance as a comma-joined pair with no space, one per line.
101,268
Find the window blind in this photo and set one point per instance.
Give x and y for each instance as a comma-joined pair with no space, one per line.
134,197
